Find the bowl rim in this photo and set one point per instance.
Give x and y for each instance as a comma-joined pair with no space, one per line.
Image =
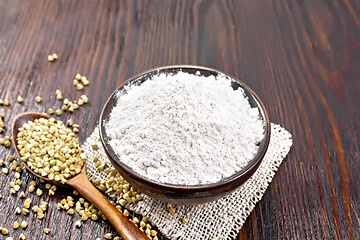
254,163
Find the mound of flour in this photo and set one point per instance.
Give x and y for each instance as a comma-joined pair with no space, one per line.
185,129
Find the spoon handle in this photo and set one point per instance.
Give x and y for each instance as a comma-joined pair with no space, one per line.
123,225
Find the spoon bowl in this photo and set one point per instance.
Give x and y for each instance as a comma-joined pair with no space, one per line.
18,122
81,183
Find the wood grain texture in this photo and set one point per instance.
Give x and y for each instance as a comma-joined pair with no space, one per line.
301,57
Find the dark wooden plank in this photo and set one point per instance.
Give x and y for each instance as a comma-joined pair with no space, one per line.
301,57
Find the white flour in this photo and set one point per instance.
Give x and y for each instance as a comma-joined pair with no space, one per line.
185,129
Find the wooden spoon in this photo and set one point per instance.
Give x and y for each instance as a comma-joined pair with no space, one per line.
81,183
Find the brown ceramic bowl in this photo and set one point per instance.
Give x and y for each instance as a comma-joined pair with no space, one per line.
181,194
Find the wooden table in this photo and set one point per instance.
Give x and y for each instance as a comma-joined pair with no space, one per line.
301,57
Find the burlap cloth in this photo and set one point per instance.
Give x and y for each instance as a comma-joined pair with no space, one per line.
221,219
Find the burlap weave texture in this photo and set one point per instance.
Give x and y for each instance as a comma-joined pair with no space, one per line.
221,219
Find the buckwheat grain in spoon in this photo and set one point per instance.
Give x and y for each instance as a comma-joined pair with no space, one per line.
51,151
